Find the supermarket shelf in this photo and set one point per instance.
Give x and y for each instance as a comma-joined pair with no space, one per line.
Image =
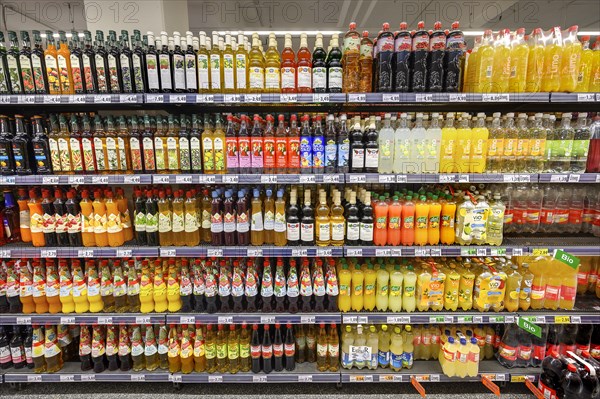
569,178
304,372
71,372
426,371
586,311
254,318
86,318
443,317
574,97
248,179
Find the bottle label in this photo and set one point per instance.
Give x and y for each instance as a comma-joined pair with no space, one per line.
331,153
242,222
372,157
151,223
179,71
190,222
164,222
165,71
293,231
228,222
257,78
257,222
232,152
319,78
304,77
27,74
240,68
215,71
293,149
113,73
324,232
195,154
288,78
403,43
52,72
216,223
38,74
343,153
269,220
269,152
190,72
366,232
257,157
184,154
335,77
337,231
306,152
358,157
353,233
137,73
272,77
245,159
125,73
307,232
437,43
172,161
318,152
203,65
208,152
178,222
228,75
386,43
54,154
507,352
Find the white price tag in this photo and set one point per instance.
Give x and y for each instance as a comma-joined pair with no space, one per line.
447,178
509,319
214,252
215,378
207,179
436,252
524,178
354,251
574,178
495,98
324,252
321,97
357,97
24,320
175,378
350,319
99,179
168,252
155,98
401,179
183,179
396,252
131,179
288,98
422,252
259,378
268,179
434,378
4,99
308,319
225,319
500,377
124,253
142,320
102,99
478,319
387,179
34,378
51,99
50,179
424,98
28,99
559,178
299,252
398,319
383,252
267,319
231,179
517,251
308,179
305,378
598,178
187,320
463,178
510,178
253,98
390,97
575,319
457,97
105,320
159,179
77,99
138,377
335,178
178,99
7,180
76,180
205,98
231,98
5,253
481,251
48,253
127,98
358,178
67,378
85,253
585,97
88,377
254,252
363,319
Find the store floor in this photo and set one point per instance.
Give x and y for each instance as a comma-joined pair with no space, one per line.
254,391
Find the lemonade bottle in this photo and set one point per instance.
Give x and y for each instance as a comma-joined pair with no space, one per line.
471,72
526,283
463,148
409,301
585,67
344,298
383,290
408,354
480,221
373,343
114,227
146,288
159,288
449,360
448,214
501,64
383,354
552,61
513,289
53,288
393,227
80,289
370,277
451,289
66,288
433,221
485,65
519,56
568,288
595,72
538,283
422,290
347,341
395,297
479,139
436,288
448,145
435,342
421,216
100,221
495,222
535,62
473,362
173,287
571,60
360,339
462,359
396,350
464,221
357,290
465,288
553,284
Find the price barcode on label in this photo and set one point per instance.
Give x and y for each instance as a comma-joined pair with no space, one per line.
76,179
383,252
85,253
308,179
363,319
357,98
127,98
28,99
517,251
88,377
463,178
434,378
253,98
559,178
424,98
138,377
478,319
175,378
401,179
398,319
168,252
225,319
422,252
335,178
390,98
539,251
396,252
183,179
464,319
67,320
447,178
77,99
207,179
34,378
308,319
48,253
267,319
187,320
354,251
4,99
131,179
259,378
289,98
99,179
215,378
52,99
254,252
481,251
102,99
387,179
562,319
124,253
105,320
231,98
205,98
50,180
436,252
5,253
358,178
299,252
320,98
574,178
575,319
231,179
585,97
23,320
142,320
324,252
67,378
7,180
268,179
305,378
350,319
155,98
457,97
495,97
214,252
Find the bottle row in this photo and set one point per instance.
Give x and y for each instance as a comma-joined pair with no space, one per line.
347,143
176,348
401,61
291,285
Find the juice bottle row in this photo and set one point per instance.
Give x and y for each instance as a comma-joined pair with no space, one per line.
174,285
318,143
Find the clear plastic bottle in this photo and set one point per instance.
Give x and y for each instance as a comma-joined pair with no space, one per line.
386,146
419,146
562,146
402,146
433,137
581,144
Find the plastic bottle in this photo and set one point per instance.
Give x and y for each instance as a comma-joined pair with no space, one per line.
408,348
408,222
479,140
381,222
519,56
448,143
571,60
383,355
159,288
403,147
449,358
383,290
462,156
357,290
373,344
409,301
396,350
553,54
419,146
433,221
473,358
535,62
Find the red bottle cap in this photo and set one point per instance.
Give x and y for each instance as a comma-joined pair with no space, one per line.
365,33
403,26
386,26
421,25
455,25
352,25
437,25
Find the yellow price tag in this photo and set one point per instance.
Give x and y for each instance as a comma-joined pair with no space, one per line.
562,319
517,378
540,251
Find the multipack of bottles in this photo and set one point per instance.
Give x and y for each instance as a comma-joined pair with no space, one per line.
174,285
551,61
587,276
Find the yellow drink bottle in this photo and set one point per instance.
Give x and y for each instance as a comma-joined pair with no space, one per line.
159,289
345,295
485,64
479,140
519,57
571,60
448,145
552,60
80,289
585,67
471,78
93,287
463,149
501,69
173,287
595,72
357,290
146,289
535,62
369,291
66,287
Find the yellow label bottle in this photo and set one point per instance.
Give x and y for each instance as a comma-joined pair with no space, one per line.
272,67
173,288
159,289
146,294
256,67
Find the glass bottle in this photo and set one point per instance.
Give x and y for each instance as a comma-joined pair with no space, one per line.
152,65
256,66
7,162
21,148
38,64
101,64
334,67
288,67
27,74
88,57
77,68
126,64
319,66
272,67
4,76
350,60
165,65
63,56
138,64
14,68
323,224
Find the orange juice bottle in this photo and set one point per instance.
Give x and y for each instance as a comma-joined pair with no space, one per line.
447,233
24,215
66,287
146,288
88,220
114,228
93,287
39,288
519,56
26,287
433,221
538,284
513,288
125,216
52,287
408,222
36,223
80,290
100,221
552,60
421,216
535,62
395,217
571,61
381,222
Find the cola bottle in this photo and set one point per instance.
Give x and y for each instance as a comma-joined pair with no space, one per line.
453,59
591,383
595,344
571,383
385,54
538,346
525,348
583,338
566,339
420,49
509,347
552,344
435,62
402,50
550,379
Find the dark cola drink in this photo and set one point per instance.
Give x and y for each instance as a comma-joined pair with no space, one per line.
435,63
454,59
402,50
420,50
385,55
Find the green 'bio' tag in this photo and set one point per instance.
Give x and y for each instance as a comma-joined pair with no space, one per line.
566,258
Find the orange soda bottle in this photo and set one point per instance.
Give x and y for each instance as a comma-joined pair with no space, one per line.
421,215
381,222
408,222
433,221
394,215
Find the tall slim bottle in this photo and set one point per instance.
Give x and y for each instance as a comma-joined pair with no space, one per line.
319,66
350,60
